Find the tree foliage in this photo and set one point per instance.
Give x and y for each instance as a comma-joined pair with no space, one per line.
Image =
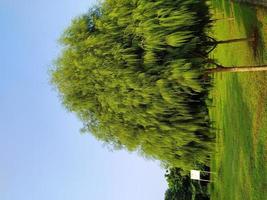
132,70
181,187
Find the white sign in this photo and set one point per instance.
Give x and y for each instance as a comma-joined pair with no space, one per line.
195,174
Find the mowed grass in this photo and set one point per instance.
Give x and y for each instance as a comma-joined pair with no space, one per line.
239,108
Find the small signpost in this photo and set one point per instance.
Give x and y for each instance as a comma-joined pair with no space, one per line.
195,175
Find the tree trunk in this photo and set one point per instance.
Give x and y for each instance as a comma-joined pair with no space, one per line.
220,68
216,42
224,19
213,43
234,40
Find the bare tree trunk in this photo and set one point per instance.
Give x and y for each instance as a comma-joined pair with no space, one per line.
220,68
214,42
234,40
224,19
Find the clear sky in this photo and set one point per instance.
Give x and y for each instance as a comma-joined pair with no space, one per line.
42,154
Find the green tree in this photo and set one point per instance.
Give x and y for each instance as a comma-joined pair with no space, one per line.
132,72
181,187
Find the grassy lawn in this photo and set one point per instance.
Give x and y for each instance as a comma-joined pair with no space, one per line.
239,108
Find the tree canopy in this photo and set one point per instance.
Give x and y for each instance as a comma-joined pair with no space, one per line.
132,70
181,187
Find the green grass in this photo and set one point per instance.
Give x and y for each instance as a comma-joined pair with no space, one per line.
239,111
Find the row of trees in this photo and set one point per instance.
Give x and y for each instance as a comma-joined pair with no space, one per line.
181,187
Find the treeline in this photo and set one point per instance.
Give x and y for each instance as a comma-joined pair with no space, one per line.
133,72
181,187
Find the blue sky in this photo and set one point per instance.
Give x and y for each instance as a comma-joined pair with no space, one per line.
42,154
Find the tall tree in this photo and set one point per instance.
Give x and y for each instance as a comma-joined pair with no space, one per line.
132,72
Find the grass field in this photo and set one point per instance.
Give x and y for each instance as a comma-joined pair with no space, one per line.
239,107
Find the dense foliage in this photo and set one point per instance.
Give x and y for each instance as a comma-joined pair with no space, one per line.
181,187
132,70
